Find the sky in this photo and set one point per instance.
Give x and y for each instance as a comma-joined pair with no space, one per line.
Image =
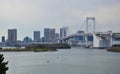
35,15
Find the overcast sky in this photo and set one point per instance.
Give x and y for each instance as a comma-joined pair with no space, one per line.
31,15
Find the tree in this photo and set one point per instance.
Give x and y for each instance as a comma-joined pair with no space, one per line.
3,67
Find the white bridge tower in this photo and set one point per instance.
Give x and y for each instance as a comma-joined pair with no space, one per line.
88,19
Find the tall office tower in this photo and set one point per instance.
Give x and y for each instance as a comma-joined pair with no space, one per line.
52,34
49,35
64,31
37,36
12,35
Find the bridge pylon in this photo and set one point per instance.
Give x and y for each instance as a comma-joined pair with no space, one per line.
87,24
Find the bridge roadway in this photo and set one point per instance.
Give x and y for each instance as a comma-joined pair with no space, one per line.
77,35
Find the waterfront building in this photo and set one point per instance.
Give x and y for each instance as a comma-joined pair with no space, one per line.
3,38
27,39
3,41
37,36
64,32
52,34
102,40
49,35
12,35
115,38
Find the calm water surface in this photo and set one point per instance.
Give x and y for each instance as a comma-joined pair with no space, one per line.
70,61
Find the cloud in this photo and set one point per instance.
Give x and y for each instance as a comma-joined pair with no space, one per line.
47,11
23,11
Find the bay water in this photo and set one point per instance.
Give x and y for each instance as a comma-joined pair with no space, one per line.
64,61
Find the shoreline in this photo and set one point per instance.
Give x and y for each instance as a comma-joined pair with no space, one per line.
27,50
113,49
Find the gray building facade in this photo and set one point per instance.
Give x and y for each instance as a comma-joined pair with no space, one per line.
37,36
12,35
49,35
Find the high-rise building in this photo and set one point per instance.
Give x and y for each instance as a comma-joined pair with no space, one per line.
12,35
37,36
3,38
52,34
49,35
64,32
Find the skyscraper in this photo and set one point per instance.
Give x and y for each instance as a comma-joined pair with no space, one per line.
64,32
49,35
52,34
36,36
12,35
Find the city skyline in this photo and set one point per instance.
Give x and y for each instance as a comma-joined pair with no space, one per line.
36,35
30,15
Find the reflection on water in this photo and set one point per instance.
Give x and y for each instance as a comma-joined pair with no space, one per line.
71,61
